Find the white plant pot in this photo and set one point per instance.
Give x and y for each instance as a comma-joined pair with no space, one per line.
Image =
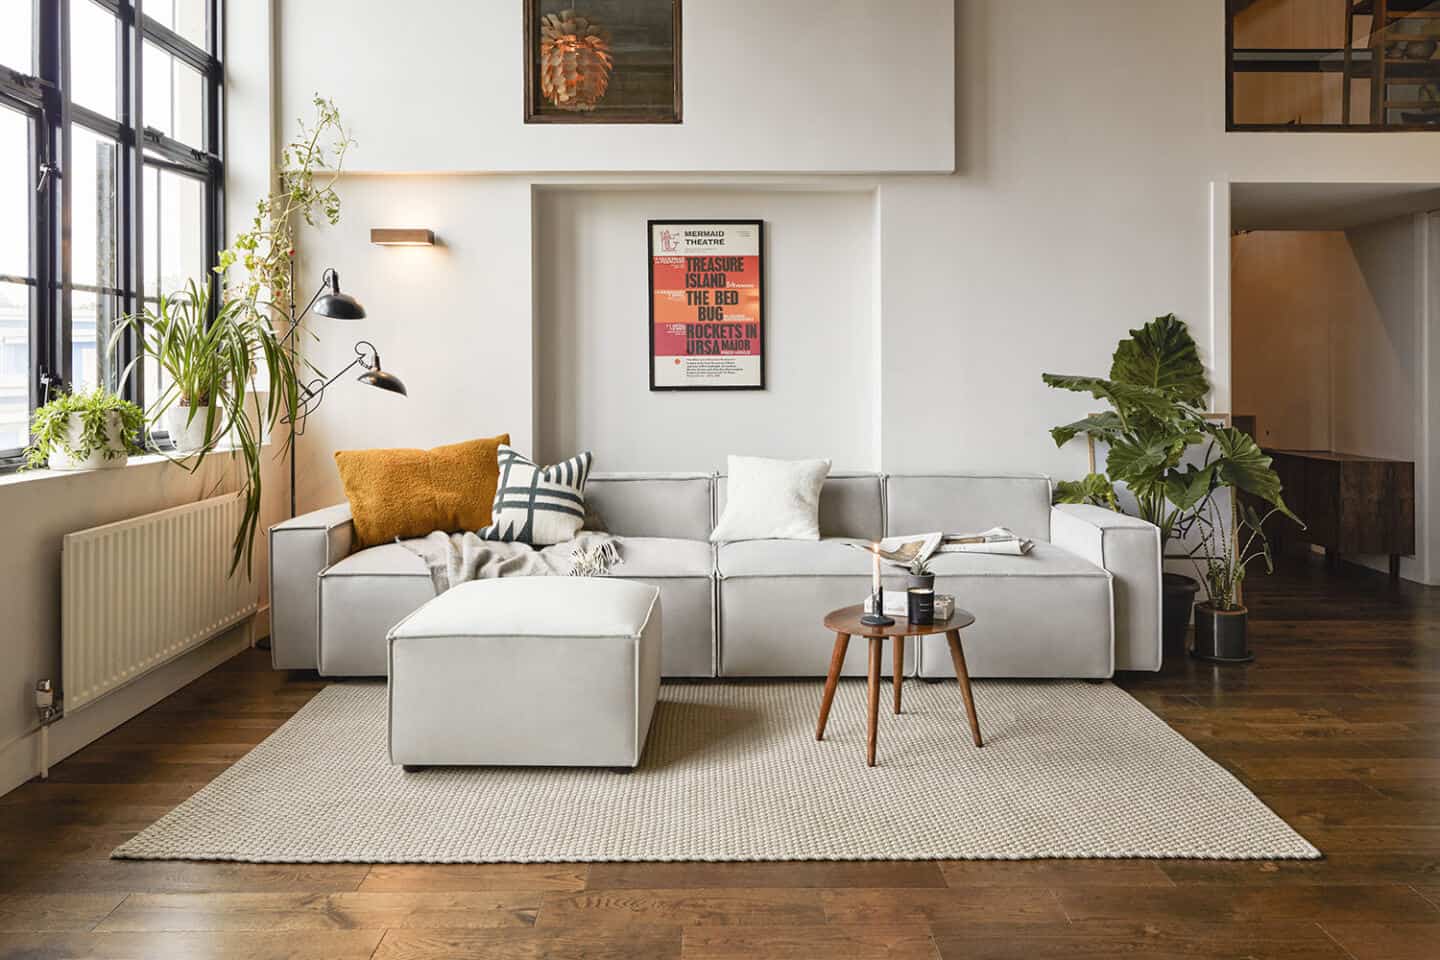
60,458
186,432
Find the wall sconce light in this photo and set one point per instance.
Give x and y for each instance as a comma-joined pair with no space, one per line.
402,237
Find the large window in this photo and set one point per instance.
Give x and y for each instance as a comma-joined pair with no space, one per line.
1367,65
110,185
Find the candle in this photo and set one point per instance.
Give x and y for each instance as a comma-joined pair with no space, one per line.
875,577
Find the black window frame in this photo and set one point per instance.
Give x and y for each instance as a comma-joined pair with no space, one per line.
46,96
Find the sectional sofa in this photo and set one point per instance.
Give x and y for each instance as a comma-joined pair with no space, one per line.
1084,603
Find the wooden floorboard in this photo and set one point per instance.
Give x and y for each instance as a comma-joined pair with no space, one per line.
1334,726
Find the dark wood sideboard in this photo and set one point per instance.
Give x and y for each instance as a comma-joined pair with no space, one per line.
1350,504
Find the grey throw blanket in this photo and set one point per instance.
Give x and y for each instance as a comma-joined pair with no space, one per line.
459,557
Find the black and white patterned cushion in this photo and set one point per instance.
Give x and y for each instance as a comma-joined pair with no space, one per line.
538,505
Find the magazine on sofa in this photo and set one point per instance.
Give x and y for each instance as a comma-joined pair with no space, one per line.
903,550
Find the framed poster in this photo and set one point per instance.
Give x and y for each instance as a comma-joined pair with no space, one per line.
602,61
707,304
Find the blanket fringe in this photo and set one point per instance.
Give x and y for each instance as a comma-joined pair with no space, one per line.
594,560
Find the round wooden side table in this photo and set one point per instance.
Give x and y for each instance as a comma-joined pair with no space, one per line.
846,624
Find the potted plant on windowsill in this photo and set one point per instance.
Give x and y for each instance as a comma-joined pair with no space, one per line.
84,431
1222,559
1157,390
190,351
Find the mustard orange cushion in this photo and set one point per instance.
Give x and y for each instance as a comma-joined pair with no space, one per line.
409,493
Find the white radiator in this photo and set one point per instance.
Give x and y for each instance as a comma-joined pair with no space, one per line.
139,593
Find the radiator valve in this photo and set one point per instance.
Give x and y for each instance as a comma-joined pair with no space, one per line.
47,704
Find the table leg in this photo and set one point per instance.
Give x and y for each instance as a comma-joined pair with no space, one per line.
957,656
875,646
837,658
899,667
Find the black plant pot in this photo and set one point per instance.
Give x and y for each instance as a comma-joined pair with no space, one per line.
1178,597
923,581
1221,635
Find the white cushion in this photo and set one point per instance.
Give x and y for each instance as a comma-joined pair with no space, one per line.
534,607
771,500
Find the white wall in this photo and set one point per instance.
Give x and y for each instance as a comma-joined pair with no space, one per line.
591,340
1080,207
1374,359
452,321
839,86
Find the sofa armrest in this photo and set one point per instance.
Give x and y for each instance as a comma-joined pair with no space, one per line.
299,549
1129,548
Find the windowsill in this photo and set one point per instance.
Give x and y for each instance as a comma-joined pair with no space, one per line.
144,460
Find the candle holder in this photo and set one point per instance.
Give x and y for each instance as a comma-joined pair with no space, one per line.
876,617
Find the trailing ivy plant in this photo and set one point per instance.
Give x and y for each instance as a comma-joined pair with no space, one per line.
50,427
309,169
1156,391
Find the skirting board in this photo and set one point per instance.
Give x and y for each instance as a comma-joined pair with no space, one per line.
20,759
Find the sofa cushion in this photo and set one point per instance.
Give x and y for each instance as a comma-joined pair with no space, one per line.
850,505
408,493
361,597
792,558
664,557
771,499
538,505
650,504
968,504
1043,560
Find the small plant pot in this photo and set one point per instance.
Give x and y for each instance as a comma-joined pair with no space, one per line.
1177,599
924,581
1222,636
187,432
60,458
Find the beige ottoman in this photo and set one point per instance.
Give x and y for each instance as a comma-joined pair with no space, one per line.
526,671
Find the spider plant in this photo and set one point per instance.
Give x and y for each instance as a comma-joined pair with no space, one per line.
211,354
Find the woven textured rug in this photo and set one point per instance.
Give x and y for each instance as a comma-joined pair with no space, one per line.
732,771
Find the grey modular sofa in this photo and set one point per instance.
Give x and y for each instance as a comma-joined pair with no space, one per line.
1084,603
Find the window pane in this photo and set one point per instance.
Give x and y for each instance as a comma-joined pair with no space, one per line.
93,39
174,97
15,193
15,297
94,253
92,318
174,226
14,365
94,213
174,231
185,17
17,45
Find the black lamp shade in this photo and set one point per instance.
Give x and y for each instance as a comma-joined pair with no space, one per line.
385,381
339,306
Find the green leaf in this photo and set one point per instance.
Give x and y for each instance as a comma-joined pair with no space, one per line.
1094,488
1162,356
1103,426
1186,488
1243,465
1126,398
1139,465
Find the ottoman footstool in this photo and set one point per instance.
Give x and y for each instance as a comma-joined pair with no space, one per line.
526,671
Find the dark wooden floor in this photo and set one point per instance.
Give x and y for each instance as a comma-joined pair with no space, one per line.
1335,726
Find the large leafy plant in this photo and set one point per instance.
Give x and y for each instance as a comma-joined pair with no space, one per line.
1156,392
